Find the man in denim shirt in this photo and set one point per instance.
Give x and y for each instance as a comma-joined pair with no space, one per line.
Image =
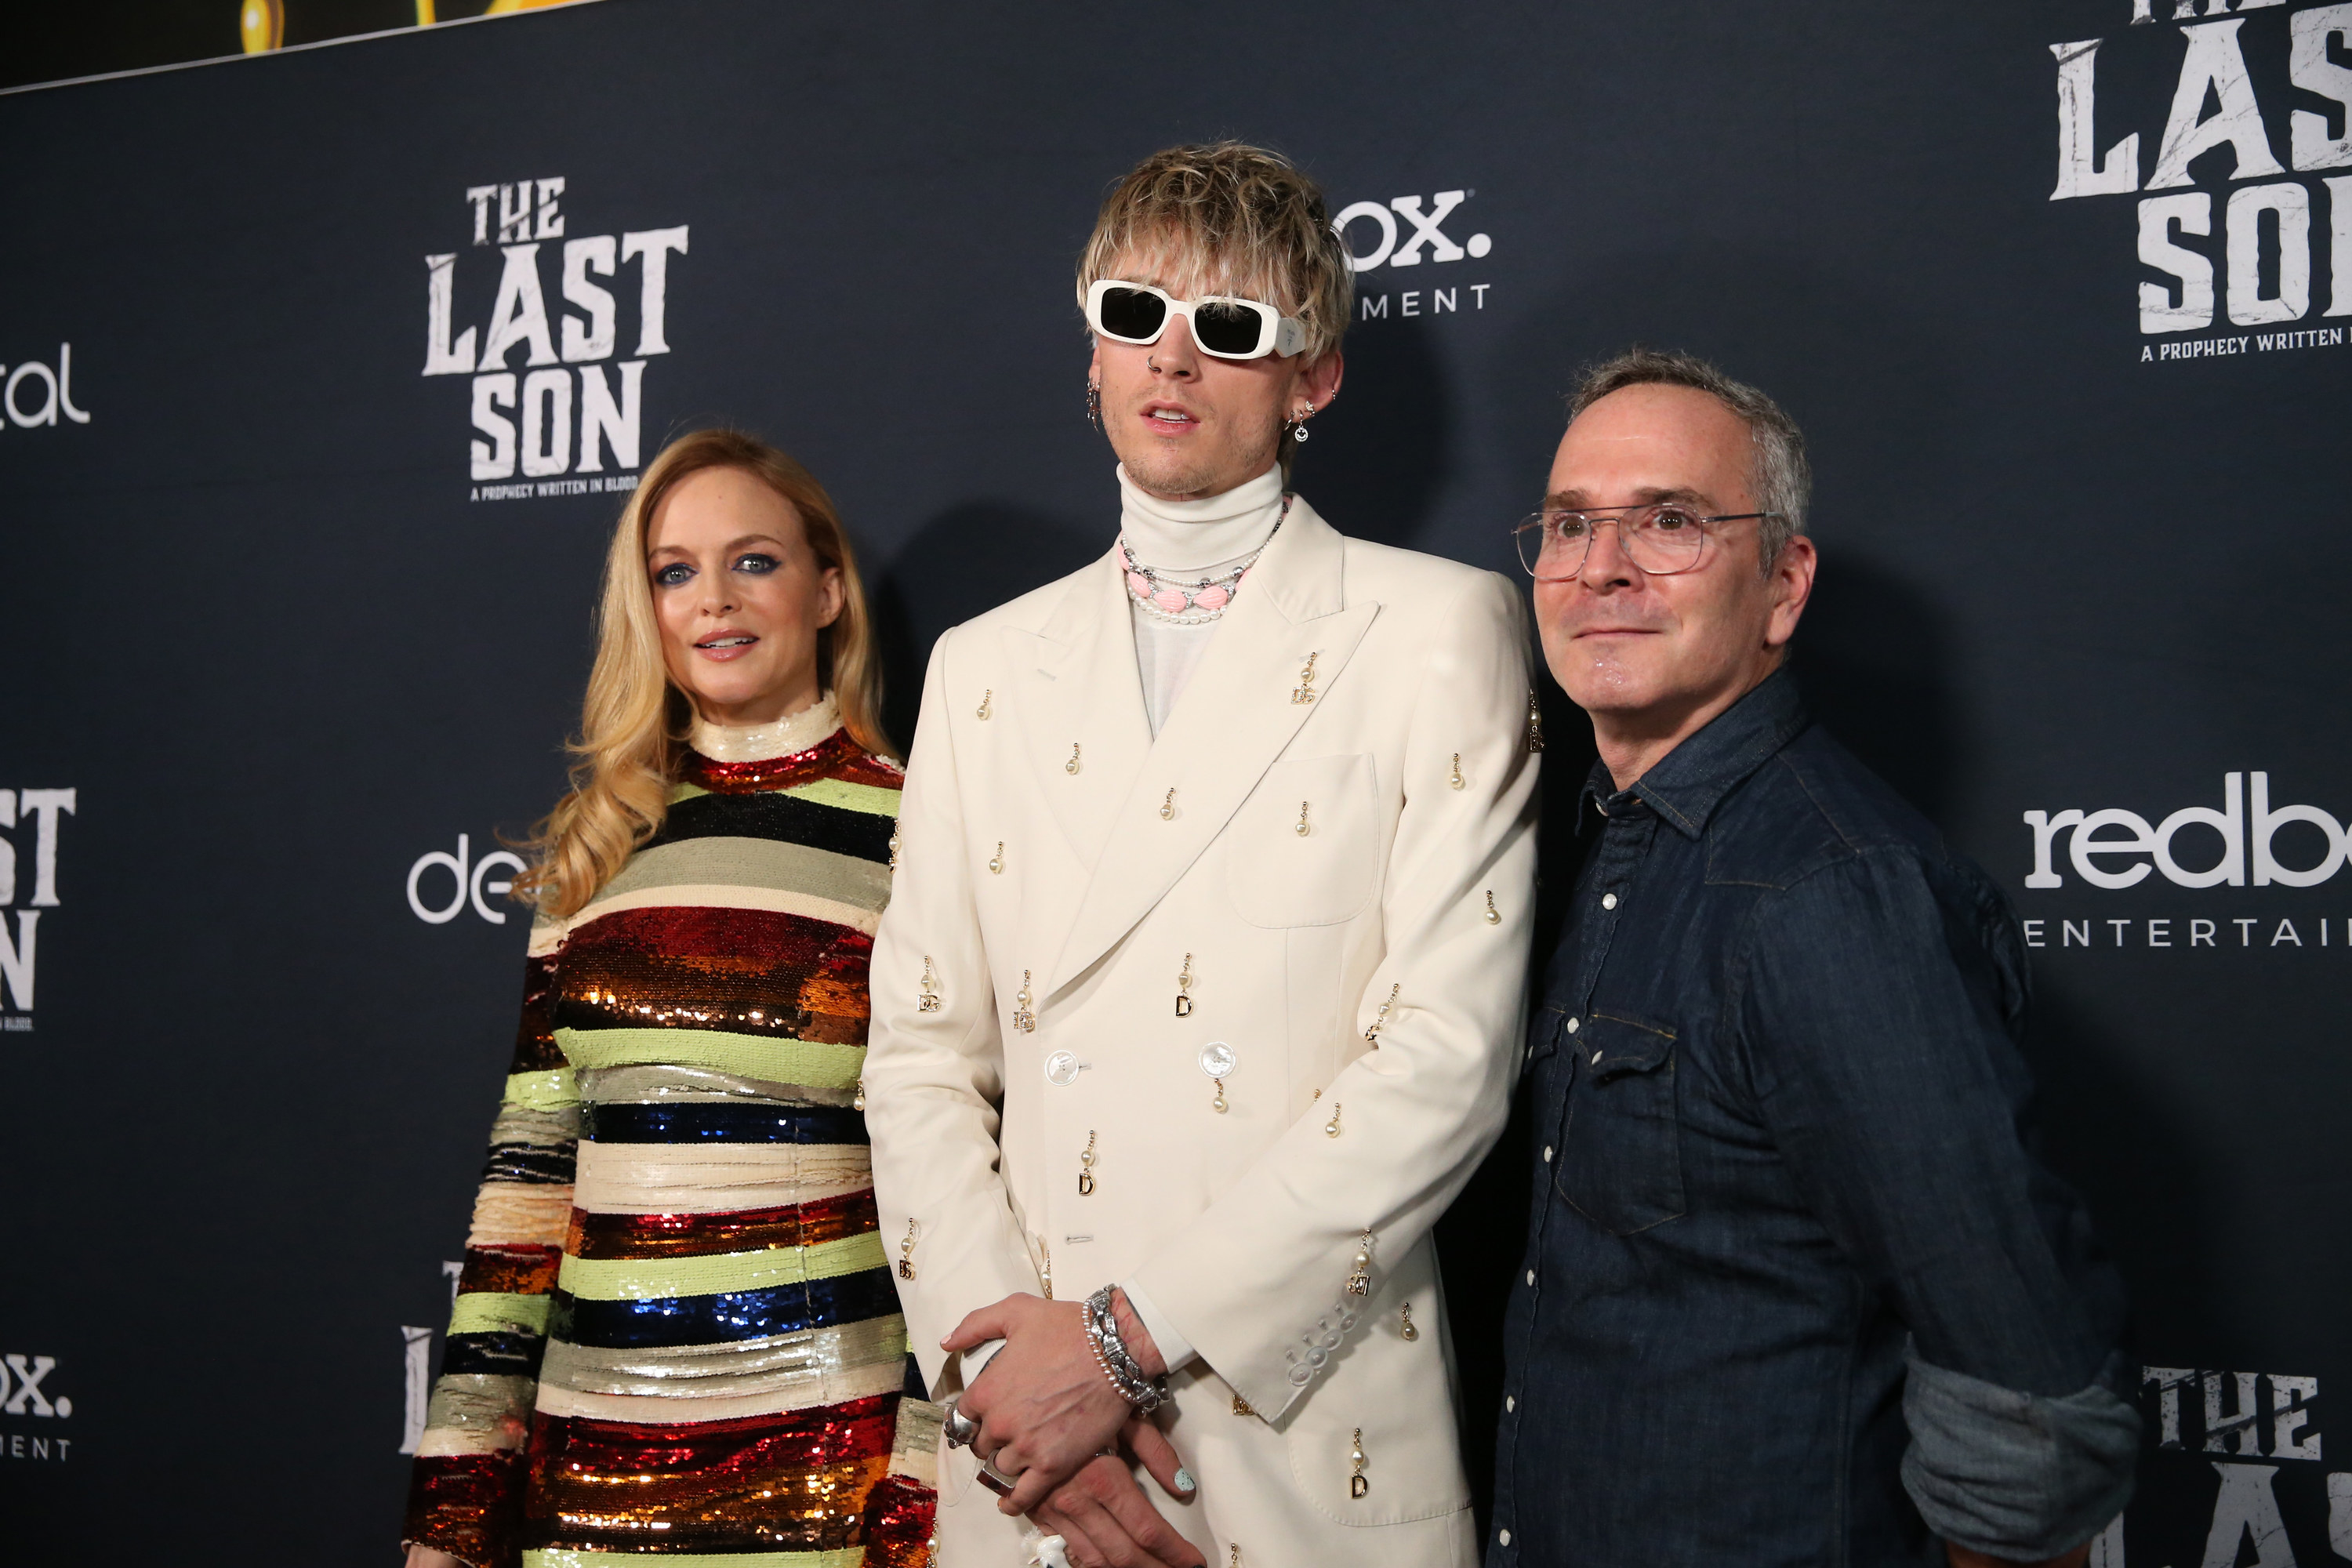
1796,1289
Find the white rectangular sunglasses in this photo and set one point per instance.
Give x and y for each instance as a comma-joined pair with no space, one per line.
1222,325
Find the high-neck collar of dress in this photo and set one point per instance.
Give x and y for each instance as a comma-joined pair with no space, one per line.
759,742
1190,535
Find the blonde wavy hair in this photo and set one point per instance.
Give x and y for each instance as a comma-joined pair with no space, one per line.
635,721
1226,216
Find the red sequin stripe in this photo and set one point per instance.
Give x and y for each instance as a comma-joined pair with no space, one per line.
600,1236
836,757
793,1482
535,1048
469,1505
901,1516
511,1270
754,972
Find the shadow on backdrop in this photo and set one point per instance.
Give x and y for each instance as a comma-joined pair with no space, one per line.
1374,464
966,561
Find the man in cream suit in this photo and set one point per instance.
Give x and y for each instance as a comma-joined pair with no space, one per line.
1199,995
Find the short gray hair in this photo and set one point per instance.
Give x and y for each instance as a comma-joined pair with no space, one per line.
1782,478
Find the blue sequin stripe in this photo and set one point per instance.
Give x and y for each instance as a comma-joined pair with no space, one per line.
721,1122
715,1320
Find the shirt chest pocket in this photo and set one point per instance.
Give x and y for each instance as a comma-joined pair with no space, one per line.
1303,850
1620,1159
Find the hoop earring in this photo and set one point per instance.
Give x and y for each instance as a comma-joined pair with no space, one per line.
1295,427
1094,403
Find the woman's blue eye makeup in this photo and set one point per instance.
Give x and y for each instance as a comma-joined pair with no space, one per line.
671,575
757,563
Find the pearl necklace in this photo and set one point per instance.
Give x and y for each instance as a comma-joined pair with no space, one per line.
1192,603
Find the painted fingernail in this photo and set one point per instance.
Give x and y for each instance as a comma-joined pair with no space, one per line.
1185,1483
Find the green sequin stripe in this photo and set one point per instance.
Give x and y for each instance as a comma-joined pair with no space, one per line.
569,1557
872,799
658,1279
552,1090
769,1057
498,1313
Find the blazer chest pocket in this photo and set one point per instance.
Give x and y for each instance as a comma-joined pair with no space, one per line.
1279,876
1621,1157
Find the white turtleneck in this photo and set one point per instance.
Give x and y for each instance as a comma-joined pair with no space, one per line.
759,742
1189,539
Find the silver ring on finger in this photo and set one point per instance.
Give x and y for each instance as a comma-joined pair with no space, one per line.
958,1428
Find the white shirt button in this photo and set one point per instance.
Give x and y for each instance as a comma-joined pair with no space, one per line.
1608,900
1547,1153
1531,1276
1504,1536
1509,1404
1574,1024
1596,1059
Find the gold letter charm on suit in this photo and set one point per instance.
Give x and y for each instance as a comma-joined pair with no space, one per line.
1087,1169
1356,1485
907,1253
1022,1018
929,1001
1183,985
1305,692
1359,1283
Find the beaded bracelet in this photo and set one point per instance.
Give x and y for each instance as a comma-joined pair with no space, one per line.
1111,1354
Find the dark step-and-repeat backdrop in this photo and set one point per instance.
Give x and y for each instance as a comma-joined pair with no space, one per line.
325,373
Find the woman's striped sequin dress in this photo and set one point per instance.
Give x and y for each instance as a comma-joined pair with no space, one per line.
676,1331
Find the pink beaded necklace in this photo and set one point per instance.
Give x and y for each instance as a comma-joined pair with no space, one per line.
1195,603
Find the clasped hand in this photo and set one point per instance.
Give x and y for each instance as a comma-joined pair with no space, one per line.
1048,1417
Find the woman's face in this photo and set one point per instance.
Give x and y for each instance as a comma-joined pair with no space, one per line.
741,597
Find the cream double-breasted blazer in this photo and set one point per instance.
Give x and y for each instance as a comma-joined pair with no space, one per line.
1338,814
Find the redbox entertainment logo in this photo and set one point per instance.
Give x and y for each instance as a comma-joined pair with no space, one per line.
34,395
1402,234
528,423
39,810
26,1389
2275,235
2243,829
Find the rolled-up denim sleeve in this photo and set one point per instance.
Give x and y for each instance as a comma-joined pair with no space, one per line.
2013,1475
1878,1013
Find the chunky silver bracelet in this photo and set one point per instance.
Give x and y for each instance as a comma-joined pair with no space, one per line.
1111,1354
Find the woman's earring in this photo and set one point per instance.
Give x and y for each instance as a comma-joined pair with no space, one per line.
1094,403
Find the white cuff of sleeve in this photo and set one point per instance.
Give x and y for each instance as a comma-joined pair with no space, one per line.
976,1359
1173,1347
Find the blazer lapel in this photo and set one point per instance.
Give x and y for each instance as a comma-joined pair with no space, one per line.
1087,708
1237,714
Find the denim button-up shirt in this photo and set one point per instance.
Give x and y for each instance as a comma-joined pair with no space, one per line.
1781,1124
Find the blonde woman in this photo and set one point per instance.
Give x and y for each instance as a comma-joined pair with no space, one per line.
676,1330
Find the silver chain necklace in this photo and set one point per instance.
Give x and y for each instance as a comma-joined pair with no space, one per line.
1197,602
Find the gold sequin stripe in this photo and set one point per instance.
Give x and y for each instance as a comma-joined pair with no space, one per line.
475,1413
657,1280
711,1178
545,939
728,1367
518,1214
772,1056
873,799
569,1557
781,1394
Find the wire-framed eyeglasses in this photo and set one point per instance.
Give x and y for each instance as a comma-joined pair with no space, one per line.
1662,538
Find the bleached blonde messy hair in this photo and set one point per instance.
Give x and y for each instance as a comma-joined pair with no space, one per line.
1225,217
